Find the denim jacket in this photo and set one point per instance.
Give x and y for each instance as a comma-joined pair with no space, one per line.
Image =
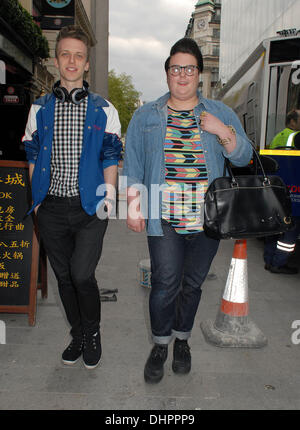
101,148
144,161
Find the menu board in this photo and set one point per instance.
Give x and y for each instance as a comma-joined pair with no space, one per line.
19,247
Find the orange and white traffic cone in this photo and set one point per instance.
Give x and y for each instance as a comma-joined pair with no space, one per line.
233,327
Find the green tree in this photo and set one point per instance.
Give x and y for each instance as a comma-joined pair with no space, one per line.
123,96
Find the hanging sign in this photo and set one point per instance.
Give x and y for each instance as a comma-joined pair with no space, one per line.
12,95
58,7
57,14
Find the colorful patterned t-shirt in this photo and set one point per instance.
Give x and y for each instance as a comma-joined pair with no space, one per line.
185,173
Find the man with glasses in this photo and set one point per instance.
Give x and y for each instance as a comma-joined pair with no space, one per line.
177,145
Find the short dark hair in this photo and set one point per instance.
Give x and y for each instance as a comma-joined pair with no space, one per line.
292,115
186,45
73,32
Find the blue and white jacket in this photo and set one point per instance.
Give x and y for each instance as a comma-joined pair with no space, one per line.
101,147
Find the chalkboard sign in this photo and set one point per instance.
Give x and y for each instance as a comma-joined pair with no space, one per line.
19,245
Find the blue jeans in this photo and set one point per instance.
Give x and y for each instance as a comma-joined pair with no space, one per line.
275,256
179,266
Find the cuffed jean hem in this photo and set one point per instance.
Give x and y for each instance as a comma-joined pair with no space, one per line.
165,340
181,335
162,340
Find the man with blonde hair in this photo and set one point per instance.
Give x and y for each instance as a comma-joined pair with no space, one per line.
73,145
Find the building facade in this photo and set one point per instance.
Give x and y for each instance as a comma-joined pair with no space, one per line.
244,24
98,13
25,75
51,18
204,27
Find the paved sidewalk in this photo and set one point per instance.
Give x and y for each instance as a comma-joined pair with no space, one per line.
32,376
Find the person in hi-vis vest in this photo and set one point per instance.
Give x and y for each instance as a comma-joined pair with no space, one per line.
279,248
290,136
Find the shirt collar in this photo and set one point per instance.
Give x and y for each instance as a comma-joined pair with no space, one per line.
162,101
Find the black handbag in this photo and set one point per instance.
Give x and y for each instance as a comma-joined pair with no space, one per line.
247,206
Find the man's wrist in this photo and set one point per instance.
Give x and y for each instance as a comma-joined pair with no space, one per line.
226,137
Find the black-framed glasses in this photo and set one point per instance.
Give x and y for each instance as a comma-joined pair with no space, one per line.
188,70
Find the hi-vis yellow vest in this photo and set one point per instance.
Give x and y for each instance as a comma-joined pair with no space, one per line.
284,138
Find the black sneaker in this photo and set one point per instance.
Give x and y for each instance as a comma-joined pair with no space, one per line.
181,357
91,350
72,353
286,270
154,368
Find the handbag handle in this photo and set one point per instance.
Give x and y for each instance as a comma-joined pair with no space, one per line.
266,180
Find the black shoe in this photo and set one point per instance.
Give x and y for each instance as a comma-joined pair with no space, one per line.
181,357
72,353
91,350
154,368
286,270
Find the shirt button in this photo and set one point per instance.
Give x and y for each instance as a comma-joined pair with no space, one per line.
45,148
43,169
46,128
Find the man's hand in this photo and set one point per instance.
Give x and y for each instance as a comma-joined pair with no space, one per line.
135,219
36,208
110,204
214,125
137,225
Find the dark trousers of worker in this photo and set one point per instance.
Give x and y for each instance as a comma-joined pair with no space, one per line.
278,249
73,243
179,266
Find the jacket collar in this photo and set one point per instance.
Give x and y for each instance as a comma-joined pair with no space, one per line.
97,100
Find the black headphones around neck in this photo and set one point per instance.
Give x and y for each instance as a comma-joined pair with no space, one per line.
75,96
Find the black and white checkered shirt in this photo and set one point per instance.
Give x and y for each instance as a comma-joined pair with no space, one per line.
66,147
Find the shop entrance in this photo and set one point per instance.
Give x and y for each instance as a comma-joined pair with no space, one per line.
15,101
